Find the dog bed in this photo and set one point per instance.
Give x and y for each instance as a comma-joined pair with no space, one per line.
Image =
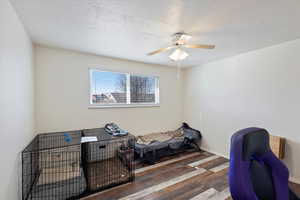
170,141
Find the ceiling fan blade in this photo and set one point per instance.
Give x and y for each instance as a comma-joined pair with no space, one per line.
202,46
161,50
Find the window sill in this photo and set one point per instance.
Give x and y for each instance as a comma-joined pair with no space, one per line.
123,106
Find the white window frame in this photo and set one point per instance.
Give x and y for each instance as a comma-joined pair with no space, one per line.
127,104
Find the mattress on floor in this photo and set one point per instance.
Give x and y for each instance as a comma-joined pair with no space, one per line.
63,189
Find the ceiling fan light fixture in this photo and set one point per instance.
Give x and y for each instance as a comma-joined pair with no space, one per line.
178,55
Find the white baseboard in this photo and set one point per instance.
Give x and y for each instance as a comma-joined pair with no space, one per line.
216,153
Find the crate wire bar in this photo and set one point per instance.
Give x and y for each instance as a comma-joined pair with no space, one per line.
51,167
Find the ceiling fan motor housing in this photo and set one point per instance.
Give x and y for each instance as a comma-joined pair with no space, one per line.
180,38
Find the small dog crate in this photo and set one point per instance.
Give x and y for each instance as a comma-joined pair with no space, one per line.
109,161
51,167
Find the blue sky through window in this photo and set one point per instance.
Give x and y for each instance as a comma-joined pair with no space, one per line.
107,82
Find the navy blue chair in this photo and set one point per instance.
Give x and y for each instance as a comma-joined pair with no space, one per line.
255,173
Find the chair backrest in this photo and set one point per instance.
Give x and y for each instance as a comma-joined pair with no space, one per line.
255,145
255,172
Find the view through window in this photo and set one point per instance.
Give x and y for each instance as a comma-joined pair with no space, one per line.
113,88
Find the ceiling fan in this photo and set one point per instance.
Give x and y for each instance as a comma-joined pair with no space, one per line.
180,40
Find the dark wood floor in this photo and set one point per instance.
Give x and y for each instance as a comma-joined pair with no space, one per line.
192,176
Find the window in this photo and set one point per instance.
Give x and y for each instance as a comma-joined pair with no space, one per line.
122,89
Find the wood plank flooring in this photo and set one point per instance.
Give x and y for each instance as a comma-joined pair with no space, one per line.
192,176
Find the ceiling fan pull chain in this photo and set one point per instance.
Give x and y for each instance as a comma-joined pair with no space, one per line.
178,69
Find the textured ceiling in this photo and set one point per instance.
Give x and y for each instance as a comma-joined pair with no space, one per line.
131,28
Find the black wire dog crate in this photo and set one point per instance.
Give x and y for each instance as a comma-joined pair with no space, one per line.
109,161
57,166
51,167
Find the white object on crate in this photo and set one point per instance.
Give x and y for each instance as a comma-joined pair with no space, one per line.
89,139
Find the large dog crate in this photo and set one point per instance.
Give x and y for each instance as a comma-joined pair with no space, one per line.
51,167
57,166
109,161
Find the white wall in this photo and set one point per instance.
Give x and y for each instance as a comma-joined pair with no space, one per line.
16,100
259,88
62,94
